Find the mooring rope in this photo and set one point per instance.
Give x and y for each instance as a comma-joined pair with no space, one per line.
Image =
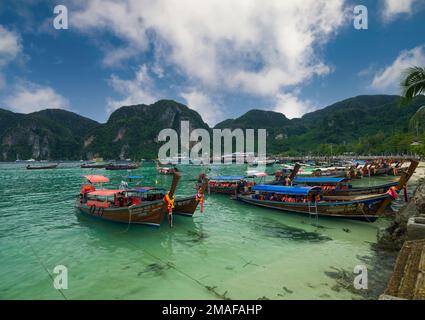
45,268
172,265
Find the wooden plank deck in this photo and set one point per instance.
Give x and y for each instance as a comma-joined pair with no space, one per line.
408,278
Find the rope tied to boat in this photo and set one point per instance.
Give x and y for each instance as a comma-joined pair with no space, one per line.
170,205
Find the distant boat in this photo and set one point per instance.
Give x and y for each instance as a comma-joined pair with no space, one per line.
94,165
165,170
52,166
129,166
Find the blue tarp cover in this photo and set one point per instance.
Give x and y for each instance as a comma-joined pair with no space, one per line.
134,177
297,191
318,180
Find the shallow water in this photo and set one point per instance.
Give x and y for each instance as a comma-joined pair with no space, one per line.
232,250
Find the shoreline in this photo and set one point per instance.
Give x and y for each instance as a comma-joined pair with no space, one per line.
405,280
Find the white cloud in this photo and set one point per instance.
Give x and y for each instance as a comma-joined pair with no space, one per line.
10,48
200,102
394,8
259,47
292,106
10,45
134,91
29,97
390,77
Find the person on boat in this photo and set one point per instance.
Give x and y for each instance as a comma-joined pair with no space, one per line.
287,181
278,175
86,188
239,186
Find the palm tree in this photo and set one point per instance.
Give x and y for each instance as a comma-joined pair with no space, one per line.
413,84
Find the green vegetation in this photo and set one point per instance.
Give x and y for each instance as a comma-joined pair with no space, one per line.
47,134
413,84
376,124
131,132
361,125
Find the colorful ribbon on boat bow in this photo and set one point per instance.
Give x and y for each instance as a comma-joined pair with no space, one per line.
200,197
170,205
393,193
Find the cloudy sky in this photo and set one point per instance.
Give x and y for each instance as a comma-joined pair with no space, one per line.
221,58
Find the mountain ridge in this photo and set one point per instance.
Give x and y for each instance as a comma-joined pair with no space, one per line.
361,124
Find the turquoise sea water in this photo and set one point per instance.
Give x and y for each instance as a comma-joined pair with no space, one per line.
232,250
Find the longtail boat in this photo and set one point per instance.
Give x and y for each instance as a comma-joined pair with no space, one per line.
94,165
165,170
381,167
129,166
125,206
311,201
340,186
230,185
286,175
52,166
185,206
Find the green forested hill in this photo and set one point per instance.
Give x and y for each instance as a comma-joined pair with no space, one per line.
47,134
365,124
375,124
132,131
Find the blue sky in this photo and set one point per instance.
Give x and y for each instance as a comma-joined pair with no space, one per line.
221,58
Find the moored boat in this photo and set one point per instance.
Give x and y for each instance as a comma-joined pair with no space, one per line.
94,165
125,166
165,170
230,185
341,187
311,201
183,205
52,166
125,206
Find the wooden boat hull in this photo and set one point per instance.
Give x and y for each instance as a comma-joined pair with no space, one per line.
185,206
42,167
120,168
151,213
222,190
363,210
357,191
93,166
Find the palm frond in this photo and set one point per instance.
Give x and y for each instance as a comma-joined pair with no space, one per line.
413,83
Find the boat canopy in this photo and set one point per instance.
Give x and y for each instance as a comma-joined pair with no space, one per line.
105,193
96,178
228,178
318,180
295,191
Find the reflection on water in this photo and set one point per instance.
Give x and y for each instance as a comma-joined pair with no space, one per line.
231,251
